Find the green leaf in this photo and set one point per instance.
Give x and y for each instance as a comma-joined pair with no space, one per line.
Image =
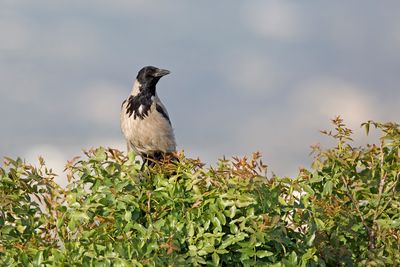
232,211
233,228
128,216
221,251
366,127
316,178
100,154
282,201
310,240
327,188
37,260
191,230
215,258
264,253
21,228
310,254
308,189
140,229
320,224
293,259
217,224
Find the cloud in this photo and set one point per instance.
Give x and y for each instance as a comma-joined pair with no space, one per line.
283,144
63,37
328,97
70,40
133,7
14,35
277,20
349,33
284,135
250,74
322,99
21,85
394,32
100,102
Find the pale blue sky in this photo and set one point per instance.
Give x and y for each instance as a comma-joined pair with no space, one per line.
245,75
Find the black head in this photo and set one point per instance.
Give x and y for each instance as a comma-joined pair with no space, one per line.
149,76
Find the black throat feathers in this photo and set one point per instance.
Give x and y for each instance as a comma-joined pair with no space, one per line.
139,105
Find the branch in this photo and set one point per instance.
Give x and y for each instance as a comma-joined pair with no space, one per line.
371,233
393,189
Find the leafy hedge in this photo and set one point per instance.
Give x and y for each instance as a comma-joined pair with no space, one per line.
344,211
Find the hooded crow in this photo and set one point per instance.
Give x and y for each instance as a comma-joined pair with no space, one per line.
144,119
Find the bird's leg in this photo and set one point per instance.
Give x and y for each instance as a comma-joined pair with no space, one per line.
148,160
142,167
158,156
151,161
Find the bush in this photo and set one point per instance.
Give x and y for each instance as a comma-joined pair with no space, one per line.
344,211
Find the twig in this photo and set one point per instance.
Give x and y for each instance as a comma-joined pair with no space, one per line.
393,189
371,233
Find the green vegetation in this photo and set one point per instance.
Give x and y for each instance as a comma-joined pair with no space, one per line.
344,211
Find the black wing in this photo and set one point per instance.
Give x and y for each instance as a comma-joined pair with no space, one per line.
163,112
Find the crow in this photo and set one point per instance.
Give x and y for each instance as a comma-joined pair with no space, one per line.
144,119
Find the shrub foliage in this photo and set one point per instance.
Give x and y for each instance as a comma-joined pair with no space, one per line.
343,211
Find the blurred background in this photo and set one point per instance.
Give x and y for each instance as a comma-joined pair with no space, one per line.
247,76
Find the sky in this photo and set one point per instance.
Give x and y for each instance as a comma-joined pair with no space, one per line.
245,76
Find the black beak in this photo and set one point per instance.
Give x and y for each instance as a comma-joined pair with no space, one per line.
161,72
